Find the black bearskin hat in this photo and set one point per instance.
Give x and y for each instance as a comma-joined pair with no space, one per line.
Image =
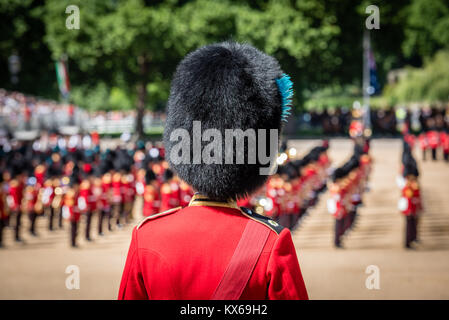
168,174
149,176
338,174
225,86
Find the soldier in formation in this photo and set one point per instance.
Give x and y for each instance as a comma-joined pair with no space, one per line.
349,182
62,179
294,188
410,204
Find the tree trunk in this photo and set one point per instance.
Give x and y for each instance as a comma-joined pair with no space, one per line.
143,63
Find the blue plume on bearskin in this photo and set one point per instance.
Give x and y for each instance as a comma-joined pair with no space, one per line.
285,86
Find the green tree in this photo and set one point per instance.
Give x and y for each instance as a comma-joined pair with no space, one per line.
21,34
119,42
428,84
426,27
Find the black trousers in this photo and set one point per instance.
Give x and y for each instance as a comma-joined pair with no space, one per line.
351,218
51,215
119,212
339,230
101,216
434,154
2,226
33,217
88,224
18,216
294,219
284,220
60,218
410,230
73,232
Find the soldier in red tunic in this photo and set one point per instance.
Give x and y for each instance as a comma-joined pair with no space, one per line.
410,202
71,209
39,174
433,138
105,199
151,200
336,204
274,196
55,171
85,204
3,210
29,202
213,249
58,200
128,185
97,193
14,198
47,195
423,144
186,194
444,139
169,191
117,198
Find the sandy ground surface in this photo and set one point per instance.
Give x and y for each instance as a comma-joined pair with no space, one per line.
37,269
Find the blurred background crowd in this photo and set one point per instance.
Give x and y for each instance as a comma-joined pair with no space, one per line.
23,112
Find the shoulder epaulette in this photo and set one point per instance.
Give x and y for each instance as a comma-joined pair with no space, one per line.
157,215
273,225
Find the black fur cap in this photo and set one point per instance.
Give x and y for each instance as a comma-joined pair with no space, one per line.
225,86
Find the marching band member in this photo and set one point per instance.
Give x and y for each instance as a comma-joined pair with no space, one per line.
71,209
410,202
84,204
14,199
3,209
105,200
29,202
151,201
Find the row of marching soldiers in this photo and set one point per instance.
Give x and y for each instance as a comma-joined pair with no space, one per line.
410,204
430,141
294,188
81,184
349,183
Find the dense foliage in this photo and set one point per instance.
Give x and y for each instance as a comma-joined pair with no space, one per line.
125,51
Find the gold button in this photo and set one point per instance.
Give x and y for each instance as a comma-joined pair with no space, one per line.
273,223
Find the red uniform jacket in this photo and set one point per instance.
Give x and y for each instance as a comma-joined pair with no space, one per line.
185,194
97,192
411,199
117,188
70,208
444,139
336,203
106,184
128,188
169,196
423,143
14,198
3,211
151,202
29,199
48,193
410,139
39,173
84,197
183,253
433,138
274,193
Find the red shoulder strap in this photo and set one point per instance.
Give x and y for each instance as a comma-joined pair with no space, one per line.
243,261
